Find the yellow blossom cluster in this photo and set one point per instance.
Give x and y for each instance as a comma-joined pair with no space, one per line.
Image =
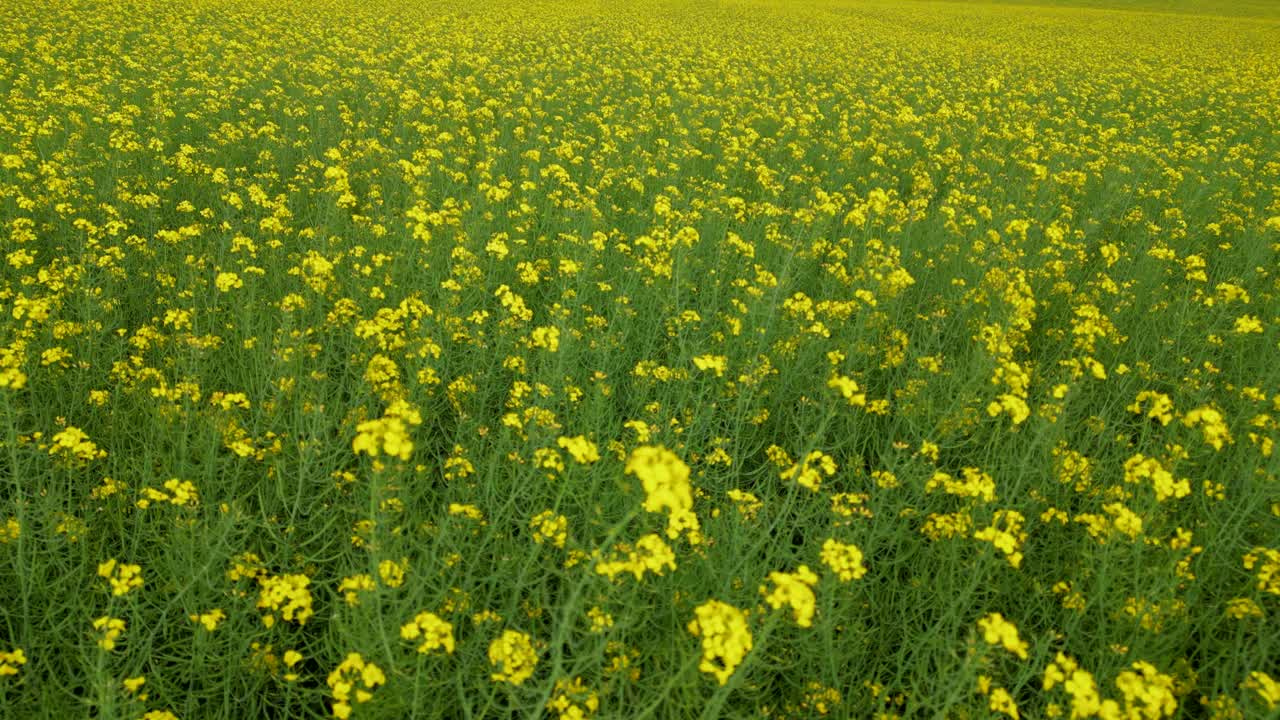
430,631
845,560
513,656
11,661
388,434
573,700
109,630
74,444
182,493
998,631
287,595
650,554
121,577
353,679
665,479
550,527
809,472
726,638
794,590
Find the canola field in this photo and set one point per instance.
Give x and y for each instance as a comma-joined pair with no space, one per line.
658,359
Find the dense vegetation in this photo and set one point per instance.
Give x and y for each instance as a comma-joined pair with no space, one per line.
404,358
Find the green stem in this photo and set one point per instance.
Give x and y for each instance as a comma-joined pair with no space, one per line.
19,505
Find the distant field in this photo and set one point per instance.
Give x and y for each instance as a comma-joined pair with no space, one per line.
1269,9
397,359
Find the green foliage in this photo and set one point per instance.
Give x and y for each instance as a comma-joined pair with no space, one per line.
482,359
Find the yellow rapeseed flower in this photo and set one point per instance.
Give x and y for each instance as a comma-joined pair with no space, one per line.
726,638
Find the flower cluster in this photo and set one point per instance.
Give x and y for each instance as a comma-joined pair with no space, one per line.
794,590
388,434
998,631
287,595
550,527
573,700
845,560
650,554
432,632
109,630
353,679
726,638
809,472
11,661
121,577
513,656
72,443
665,479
